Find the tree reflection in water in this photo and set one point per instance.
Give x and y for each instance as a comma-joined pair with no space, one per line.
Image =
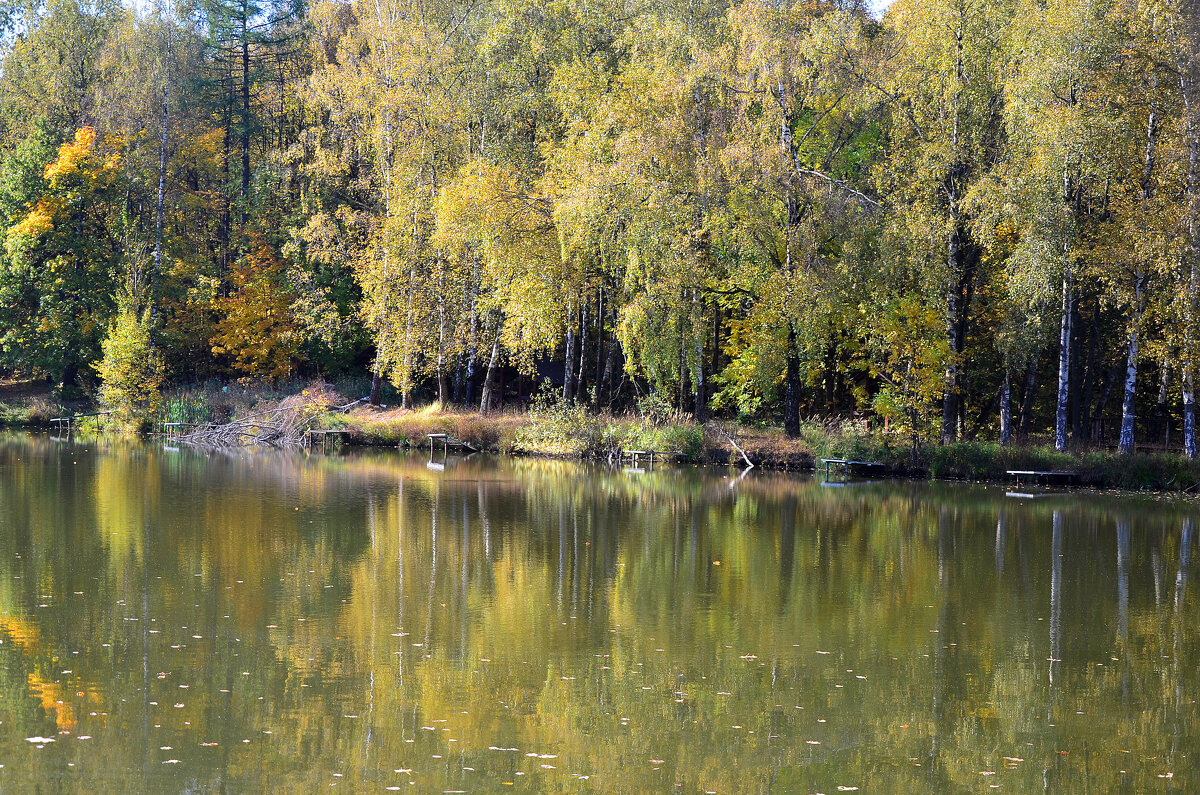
265,620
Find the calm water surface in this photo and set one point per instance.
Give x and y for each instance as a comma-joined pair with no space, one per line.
252,622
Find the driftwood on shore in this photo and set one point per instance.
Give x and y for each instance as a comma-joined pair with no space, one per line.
736,446
282,426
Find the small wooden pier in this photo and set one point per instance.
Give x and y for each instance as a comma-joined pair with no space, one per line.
848,463
449,441
324,434
175,430
1048,477
636,455
64,423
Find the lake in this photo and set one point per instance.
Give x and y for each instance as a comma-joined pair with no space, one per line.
265,621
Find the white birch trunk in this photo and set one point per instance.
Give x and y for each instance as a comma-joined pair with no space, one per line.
568,393
1064,367
1192,252
1005,411
1189,412
1126,443
485,400
162,180
1127,405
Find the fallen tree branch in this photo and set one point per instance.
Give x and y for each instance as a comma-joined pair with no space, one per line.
281,426
746,458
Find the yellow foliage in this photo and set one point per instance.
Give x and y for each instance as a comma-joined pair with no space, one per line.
256,329
39,221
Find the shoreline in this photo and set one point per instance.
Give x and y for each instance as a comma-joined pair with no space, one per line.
572,433
538,436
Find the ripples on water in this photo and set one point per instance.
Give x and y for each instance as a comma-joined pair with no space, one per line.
264,621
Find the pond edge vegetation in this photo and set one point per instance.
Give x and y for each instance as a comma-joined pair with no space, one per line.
556,429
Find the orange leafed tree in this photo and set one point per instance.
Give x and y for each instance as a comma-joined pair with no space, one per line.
256,330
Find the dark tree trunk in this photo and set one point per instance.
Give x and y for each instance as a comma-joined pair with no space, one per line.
1084,429
1098,414
581,369
716,340
244,129
568,393
70,374
472,341
1027,400
698,341
459,365
791,398
599,344
485,400
1078,368
610,363
376,386
950,392
226,205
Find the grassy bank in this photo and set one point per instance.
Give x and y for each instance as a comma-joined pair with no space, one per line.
29,403
575,433
411,428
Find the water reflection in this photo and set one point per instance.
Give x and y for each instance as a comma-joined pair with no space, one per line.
250,621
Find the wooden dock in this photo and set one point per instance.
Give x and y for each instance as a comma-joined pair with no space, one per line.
848,463
449,441
324,433
636,455
66,422
1046,476
174,430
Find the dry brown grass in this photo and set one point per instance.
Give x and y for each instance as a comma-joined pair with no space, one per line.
411,427
764,446
29,402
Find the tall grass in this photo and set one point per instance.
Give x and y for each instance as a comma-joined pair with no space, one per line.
572,430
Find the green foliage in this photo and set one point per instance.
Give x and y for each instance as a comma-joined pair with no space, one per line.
562,428
131,371
188,408
907,351
758,209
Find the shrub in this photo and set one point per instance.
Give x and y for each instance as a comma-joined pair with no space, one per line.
131,372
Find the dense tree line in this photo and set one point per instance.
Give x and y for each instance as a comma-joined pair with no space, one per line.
967,216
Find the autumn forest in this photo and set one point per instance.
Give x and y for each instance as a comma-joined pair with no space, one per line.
962,217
